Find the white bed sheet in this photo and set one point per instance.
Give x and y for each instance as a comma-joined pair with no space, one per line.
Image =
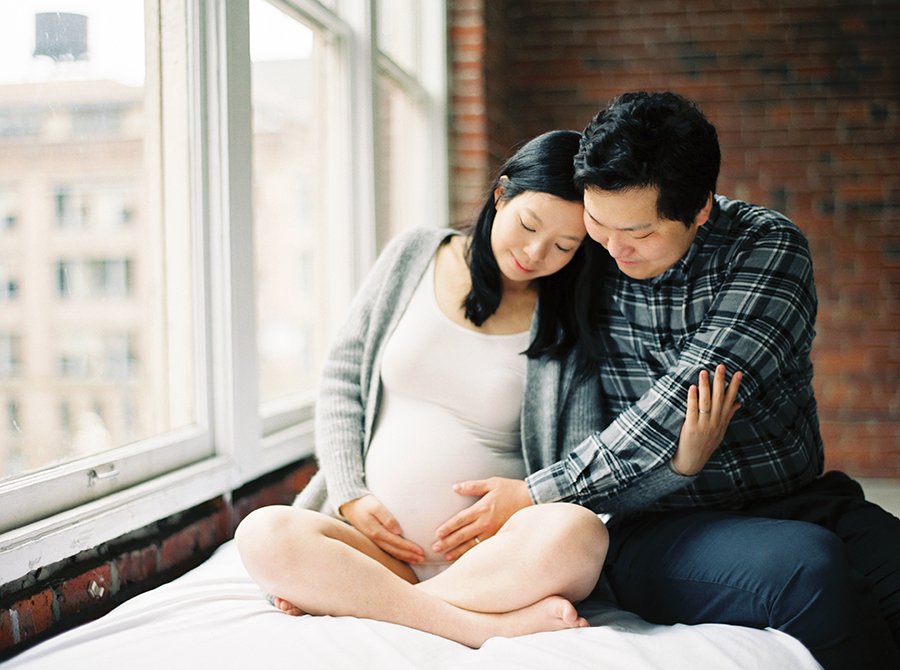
216,617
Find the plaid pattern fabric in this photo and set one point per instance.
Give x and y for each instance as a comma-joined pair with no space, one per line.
744,296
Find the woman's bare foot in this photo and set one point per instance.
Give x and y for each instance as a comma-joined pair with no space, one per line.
550,614
287,607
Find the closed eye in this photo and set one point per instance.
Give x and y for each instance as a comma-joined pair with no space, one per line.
530,230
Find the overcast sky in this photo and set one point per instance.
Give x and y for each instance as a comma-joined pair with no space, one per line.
115,39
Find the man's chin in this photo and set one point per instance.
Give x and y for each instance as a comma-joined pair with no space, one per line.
632,269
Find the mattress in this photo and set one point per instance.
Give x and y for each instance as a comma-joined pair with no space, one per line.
216,617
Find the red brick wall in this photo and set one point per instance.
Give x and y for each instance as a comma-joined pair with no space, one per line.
86,586
469,157
478,93
806,97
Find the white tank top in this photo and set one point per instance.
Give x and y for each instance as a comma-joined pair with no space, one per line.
450,411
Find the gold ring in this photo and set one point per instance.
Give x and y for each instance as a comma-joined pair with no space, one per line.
704,411
477,541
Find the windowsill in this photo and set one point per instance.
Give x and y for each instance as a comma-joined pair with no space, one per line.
60,536
44,542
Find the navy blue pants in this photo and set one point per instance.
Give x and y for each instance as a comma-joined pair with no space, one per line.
821,564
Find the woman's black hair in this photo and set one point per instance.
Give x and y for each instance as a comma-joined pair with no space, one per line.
590,310
543,165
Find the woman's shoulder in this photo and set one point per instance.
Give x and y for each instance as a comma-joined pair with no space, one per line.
420,237
412,245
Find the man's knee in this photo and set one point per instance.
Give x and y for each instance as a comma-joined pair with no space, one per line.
829,606
815,572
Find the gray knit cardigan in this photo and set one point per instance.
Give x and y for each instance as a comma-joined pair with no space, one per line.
557,413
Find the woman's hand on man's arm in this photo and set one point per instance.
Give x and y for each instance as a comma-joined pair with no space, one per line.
709,411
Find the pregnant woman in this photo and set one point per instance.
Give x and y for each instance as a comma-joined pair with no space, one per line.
455,365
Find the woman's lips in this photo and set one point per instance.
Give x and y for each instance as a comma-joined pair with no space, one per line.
521,267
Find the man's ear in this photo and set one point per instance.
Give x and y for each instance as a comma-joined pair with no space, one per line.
703,215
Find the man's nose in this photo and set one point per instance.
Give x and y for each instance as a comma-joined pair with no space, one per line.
617,244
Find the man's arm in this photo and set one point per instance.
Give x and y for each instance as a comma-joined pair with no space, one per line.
759,320
709,411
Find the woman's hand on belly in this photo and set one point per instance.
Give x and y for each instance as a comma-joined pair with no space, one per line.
500,499
373,520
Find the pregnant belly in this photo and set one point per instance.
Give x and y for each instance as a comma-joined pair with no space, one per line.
411,468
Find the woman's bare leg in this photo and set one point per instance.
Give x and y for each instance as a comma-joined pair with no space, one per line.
323,566
556,548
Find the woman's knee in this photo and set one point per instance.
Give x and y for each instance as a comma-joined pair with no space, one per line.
571,544
582,529
582,543
568,527
268,538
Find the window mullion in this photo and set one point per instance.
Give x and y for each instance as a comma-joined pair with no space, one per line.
232,298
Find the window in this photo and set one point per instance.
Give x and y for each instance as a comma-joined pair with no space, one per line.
292,169
410,81
99,206
9,284
8,209
97,356
10,355
102,289
12,411
189,203
72,208
93,279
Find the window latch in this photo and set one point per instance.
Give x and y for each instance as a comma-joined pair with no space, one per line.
94,476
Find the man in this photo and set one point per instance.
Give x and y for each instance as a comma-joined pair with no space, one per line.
758,537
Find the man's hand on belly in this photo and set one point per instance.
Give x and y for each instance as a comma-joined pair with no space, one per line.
499,499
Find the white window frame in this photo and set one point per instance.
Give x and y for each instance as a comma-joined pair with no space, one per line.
235,440
426,85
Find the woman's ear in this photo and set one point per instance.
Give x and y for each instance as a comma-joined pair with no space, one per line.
501,189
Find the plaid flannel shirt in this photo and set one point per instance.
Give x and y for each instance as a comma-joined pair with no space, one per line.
742,295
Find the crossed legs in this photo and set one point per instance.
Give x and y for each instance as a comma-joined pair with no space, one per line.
523,580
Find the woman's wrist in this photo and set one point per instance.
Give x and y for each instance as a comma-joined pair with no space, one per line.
675,469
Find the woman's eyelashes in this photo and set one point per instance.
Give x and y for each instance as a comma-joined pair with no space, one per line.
533,230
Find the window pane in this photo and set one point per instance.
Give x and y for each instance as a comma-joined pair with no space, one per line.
398,31
290,209
91,354
402,145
